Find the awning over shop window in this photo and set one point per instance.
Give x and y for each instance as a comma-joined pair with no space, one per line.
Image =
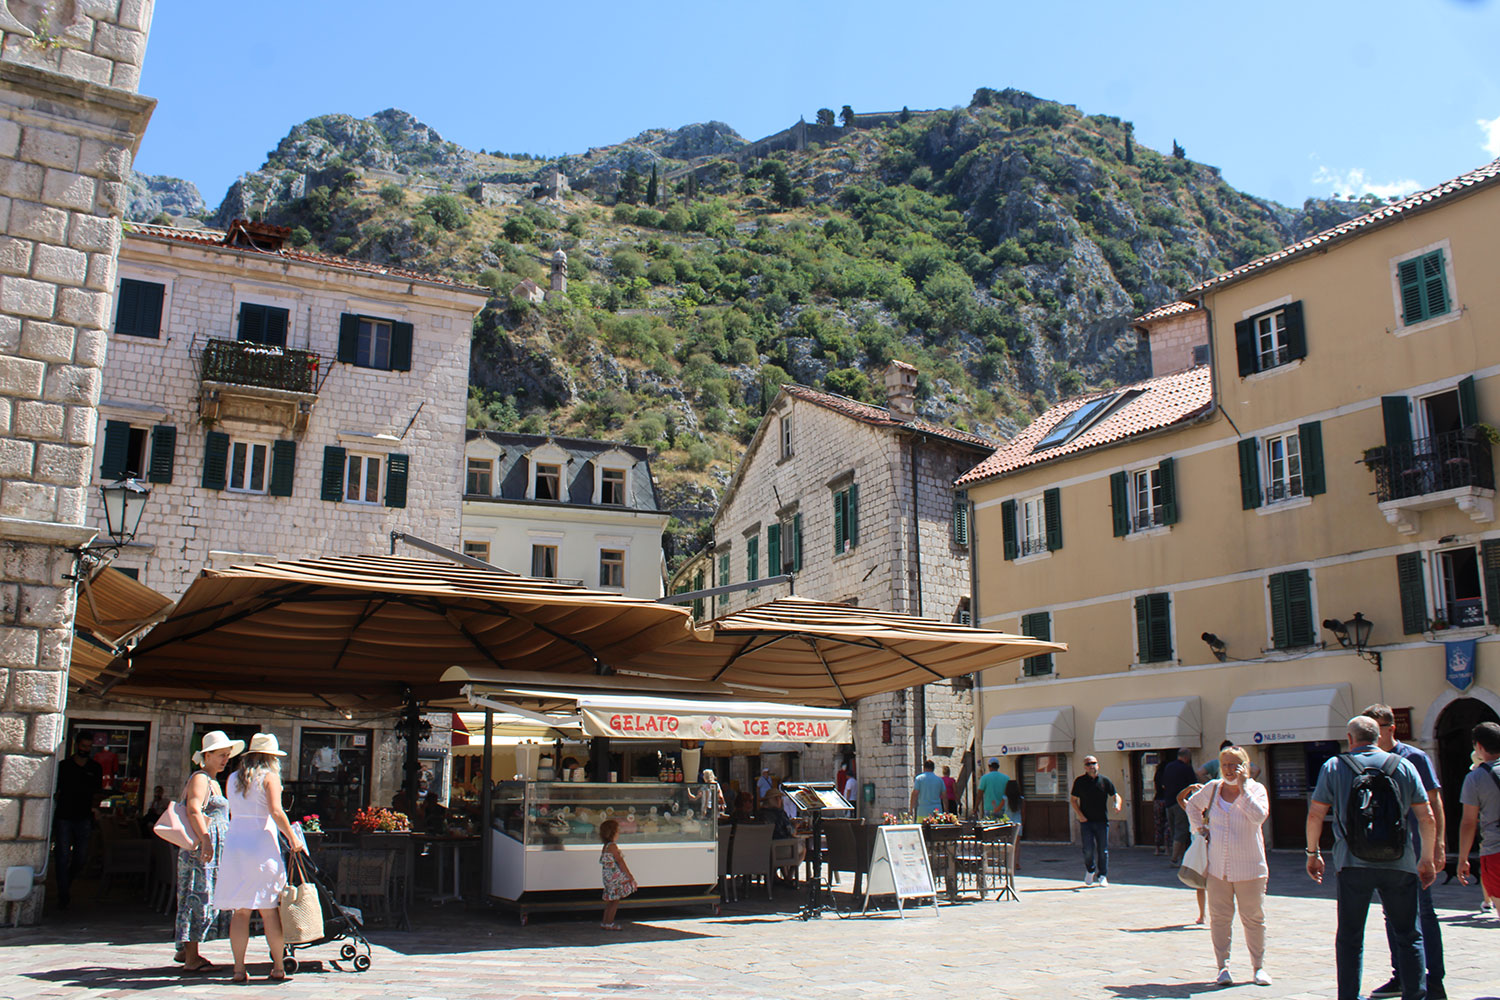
1291,715
1037,730
1150,725
112,608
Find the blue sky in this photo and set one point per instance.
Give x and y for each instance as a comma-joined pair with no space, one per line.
1290,99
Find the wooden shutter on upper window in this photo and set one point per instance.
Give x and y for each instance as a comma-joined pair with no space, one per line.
1153,622
348,338
1119,502
851,525
797,543
1434,284
1489,560
1167,476
116,448
1296,333
1291,609
1413,588
163,448
1396,413
773,550
401,339
1052,508
1468,402
395,480
283,467
215,460
1310,445
1038,625
838,522
1244,346
752,557
1249,473
1008,528
961,518
138,311
334,460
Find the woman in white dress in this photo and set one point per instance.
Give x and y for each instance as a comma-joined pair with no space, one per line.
251,871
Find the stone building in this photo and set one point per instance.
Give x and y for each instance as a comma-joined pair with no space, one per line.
70,124
564,508
856,502
279,404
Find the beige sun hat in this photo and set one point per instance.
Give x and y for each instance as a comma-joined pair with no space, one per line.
265,743
218,740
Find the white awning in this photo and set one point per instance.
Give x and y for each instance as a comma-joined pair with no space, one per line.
1158,724
1291,715
1037,730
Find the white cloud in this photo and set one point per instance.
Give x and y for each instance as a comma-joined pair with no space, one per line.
1491,128
1353,183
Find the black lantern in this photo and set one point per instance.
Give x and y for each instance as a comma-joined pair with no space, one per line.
124,502
1354,634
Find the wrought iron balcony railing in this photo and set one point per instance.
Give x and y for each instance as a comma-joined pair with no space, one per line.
1451,461
239,362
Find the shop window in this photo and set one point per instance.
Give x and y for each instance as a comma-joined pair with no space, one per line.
333,775
120,750
1044,776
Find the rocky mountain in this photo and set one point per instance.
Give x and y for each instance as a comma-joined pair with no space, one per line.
1002,248
151,196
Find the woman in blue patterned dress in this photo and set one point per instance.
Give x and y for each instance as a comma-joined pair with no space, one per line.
197,869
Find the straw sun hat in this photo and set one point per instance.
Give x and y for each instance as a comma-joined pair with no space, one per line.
266,743
218,740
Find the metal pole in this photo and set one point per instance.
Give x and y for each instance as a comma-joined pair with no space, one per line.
486,807
438,550
729,588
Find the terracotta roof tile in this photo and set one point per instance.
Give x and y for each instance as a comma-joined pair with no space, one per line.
217,238
1463,184
1160,402
1162,312
880,416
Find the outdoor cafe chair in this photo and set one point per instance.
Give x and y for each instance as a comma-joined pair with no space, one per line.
750,856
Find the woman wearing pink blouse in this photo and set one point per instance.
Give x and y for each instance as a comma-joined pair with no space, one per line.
1232,809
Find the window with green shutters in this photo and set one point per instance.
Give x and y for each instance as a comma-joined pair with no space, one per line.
334,460
1143,499
1249,473
1038,625
773,549
1008,529
283,467
373,342
138,308
163,449
1270,339
263,324
125,453
1284,466
1413,589
796,543
724,569
1153,624
1423,284
396,468
846,519
698,601
752,560
1291,609
216,460
1052,507
960,517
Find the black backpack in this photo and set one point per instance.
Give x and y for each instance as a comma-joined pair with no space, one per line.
1374,818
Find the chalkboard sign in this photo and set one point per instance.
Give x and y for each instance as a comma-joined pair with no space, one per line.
899,867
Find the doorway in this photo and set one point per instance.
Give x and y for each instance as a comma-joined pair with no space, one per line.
1143,768
1293,775
1454,747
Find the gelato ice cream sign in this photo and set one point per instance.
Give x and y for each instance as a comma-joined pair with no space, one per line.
691,726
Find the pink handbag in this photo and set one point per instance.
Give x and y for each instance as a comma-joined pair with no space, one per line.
173,827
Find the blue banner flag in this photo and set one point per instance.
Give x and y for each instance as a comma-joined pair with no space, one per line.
1460,663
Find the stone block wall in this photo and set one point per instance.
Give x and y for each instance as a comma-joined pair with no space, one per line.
1173,338
70,123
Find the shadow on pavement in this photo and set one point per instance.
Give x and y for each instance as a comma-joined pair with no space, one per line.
102,977
1162,991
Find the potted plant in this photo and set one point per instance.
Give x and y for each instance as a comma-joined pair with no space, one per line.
1440,623
1482,432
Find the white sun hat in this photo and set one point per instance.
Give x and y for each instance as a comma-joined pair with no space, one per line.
218,740
266,743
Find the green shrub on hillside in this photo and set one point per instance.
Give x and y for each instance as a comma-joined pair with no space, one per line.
446,210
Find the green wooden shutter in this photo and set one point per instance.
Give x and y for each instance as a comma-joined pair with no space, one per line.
1008,528
1291,609
851,526
752,557
1296,333
1052,507
1395,410
1310,439
797,543
276,326
698,602
838,522
724,570
348,338
1142,630
1280,628
1166,471
1249,473
773,550
116,447
1119,502
1038,625
215,460
128,307
283,467
401,339
163,448
395,480
1244,347
1468,402
252,323
1413,588
1153,623
1409,274
334,461
961,517
1434,285
1489,558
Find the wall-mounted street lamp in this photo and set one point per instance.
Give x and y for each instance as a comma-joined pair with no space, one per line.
1354,634
124,503
1216,646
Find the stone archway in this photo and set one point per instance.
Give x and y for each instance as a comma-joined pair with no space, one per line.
1453,747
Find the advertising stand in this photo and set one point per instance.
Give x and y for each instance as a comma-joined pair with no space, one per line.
899,867
812,797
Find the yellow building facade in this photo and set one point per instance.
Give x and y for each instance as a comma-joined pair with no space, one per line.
1204,540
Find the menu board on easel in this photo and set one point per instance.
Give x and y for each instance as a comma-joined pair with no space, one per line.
899,867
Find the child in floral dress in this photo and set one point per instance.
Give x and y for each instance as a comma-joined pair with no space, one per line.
618,882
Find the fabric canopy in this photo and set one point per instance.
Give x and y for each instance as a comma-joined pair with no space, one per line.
1037,730
358,630
1291,715
811,653
112,607
1150,725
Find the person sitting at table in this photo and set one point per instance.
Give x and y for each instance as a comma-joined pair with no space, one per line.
434,814
781,829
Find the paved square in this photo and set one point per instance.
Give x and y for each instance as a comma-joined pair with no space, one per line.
1134,939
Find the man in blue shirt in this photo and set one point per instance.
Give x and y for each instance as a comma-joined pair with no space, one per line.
1432,936
992,790
927,796
1398,882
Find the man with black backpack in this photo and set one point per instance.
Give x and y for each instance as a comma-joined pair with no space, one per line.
1480,796
1369,792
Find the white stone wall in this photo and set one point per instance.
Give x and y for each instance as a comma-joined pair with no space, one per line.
510,529
419,413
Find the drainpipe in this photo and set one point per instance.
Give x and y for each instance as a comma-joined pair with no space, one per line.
977,694
914,605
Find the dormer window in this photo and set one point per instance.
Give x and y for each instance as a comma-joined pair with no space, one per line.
548,481
481,477
612,487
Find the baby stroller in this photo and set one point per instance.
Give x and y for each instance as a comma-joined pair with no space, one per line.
340,923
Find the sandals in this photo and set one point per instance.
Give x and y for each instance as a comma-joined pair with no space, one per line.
610,927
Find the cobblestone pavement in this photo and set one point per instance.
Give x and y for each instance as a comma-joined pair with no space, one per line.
1133,939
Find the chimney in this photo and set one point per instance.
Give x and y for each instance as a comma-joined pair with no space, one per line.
901,390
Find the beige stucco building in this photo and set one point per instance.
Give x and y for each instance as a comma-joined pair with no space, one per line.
1212,523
